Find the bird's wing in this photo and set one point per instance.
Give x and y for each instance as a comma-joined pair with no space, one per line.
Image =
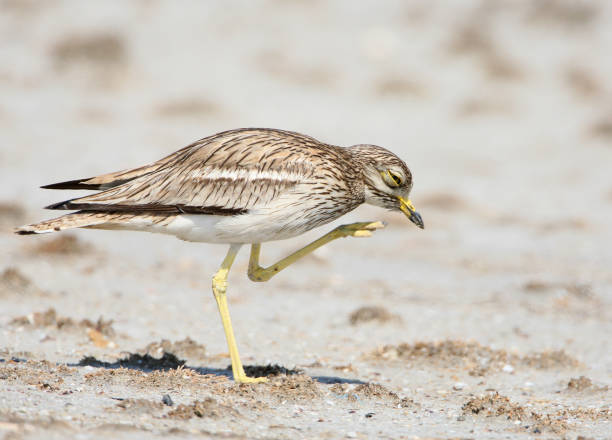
110,180
225,174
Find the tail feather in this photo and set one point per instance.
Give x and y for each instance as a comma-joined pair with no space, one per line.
85,184
100,220
103,182
111,180
74,220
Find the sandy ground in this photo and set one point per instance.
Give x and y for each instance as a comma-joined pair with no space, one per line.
494,322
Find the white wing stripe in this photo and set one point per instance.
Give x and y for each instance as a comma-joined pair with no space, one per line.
248,174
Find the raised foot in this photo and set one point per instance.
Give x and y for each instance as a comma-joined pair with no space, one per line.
245,379
361,229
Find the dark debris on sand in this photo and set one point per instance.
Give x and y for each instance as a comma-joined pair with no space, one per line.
583,383
142,362
99,49
208,407
14,282
281,388
50,318
295,387
579,383
140,405
477,358
187,348
371,314
267,370
372,391
494,404
66,244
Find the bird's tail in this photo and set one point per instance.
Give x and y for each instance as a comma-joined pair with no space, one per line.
79,219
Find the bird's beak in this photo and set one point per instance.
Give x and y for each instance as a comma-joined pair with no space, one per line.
408,209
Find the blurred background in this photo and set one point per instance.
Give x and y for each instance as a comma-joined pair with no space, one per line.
501,108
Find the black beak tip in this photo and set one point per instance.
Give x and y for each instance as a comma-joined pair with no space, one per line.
417,220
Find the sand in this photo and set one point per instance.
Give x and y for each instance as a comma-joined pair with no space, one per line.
493,322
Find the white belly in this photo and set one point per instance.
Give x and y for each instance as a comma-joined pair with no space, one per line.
277,221
222,229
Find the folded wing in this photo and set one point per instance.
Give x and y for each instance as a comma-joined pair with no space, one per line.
226,174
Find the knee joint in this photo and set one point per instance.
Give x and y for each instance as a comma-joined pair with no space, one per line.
255,275
219,285
259,275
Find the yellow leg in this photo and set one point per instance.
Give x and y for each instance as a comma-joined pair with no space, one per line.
258,273
219,286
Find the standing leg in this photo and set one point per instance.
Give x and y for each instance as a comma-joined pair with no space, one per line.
219,286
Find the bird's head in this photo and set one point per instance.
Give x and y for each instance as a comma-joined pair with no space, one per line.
388,180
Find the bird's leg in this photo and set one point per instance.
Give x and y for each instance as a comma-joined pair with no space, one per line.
258,273
219,286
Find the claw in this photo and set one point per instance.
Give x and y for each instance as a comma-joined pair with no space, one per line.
375,225
361,229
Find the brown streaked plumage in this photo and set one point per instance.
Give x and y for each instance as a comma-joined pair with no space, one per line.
242,186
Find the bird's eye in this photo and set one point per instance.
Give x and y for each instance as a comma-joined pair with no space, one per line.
397,179
392,179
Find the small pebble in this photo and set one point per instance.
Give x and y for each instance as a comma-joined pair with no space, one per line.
167,400
459,386
461,419
508,368
351,434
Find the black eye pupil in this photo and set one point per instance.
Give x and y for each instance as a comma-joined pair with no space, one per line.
396,179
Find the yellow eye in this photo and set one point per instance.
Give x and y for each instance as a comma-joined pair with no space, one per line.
397,180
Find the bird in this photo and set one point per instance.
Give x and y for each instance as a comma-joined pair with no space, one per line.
240,187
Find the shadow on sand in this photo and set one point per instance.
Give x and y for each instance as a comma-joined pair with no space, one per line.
169,361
